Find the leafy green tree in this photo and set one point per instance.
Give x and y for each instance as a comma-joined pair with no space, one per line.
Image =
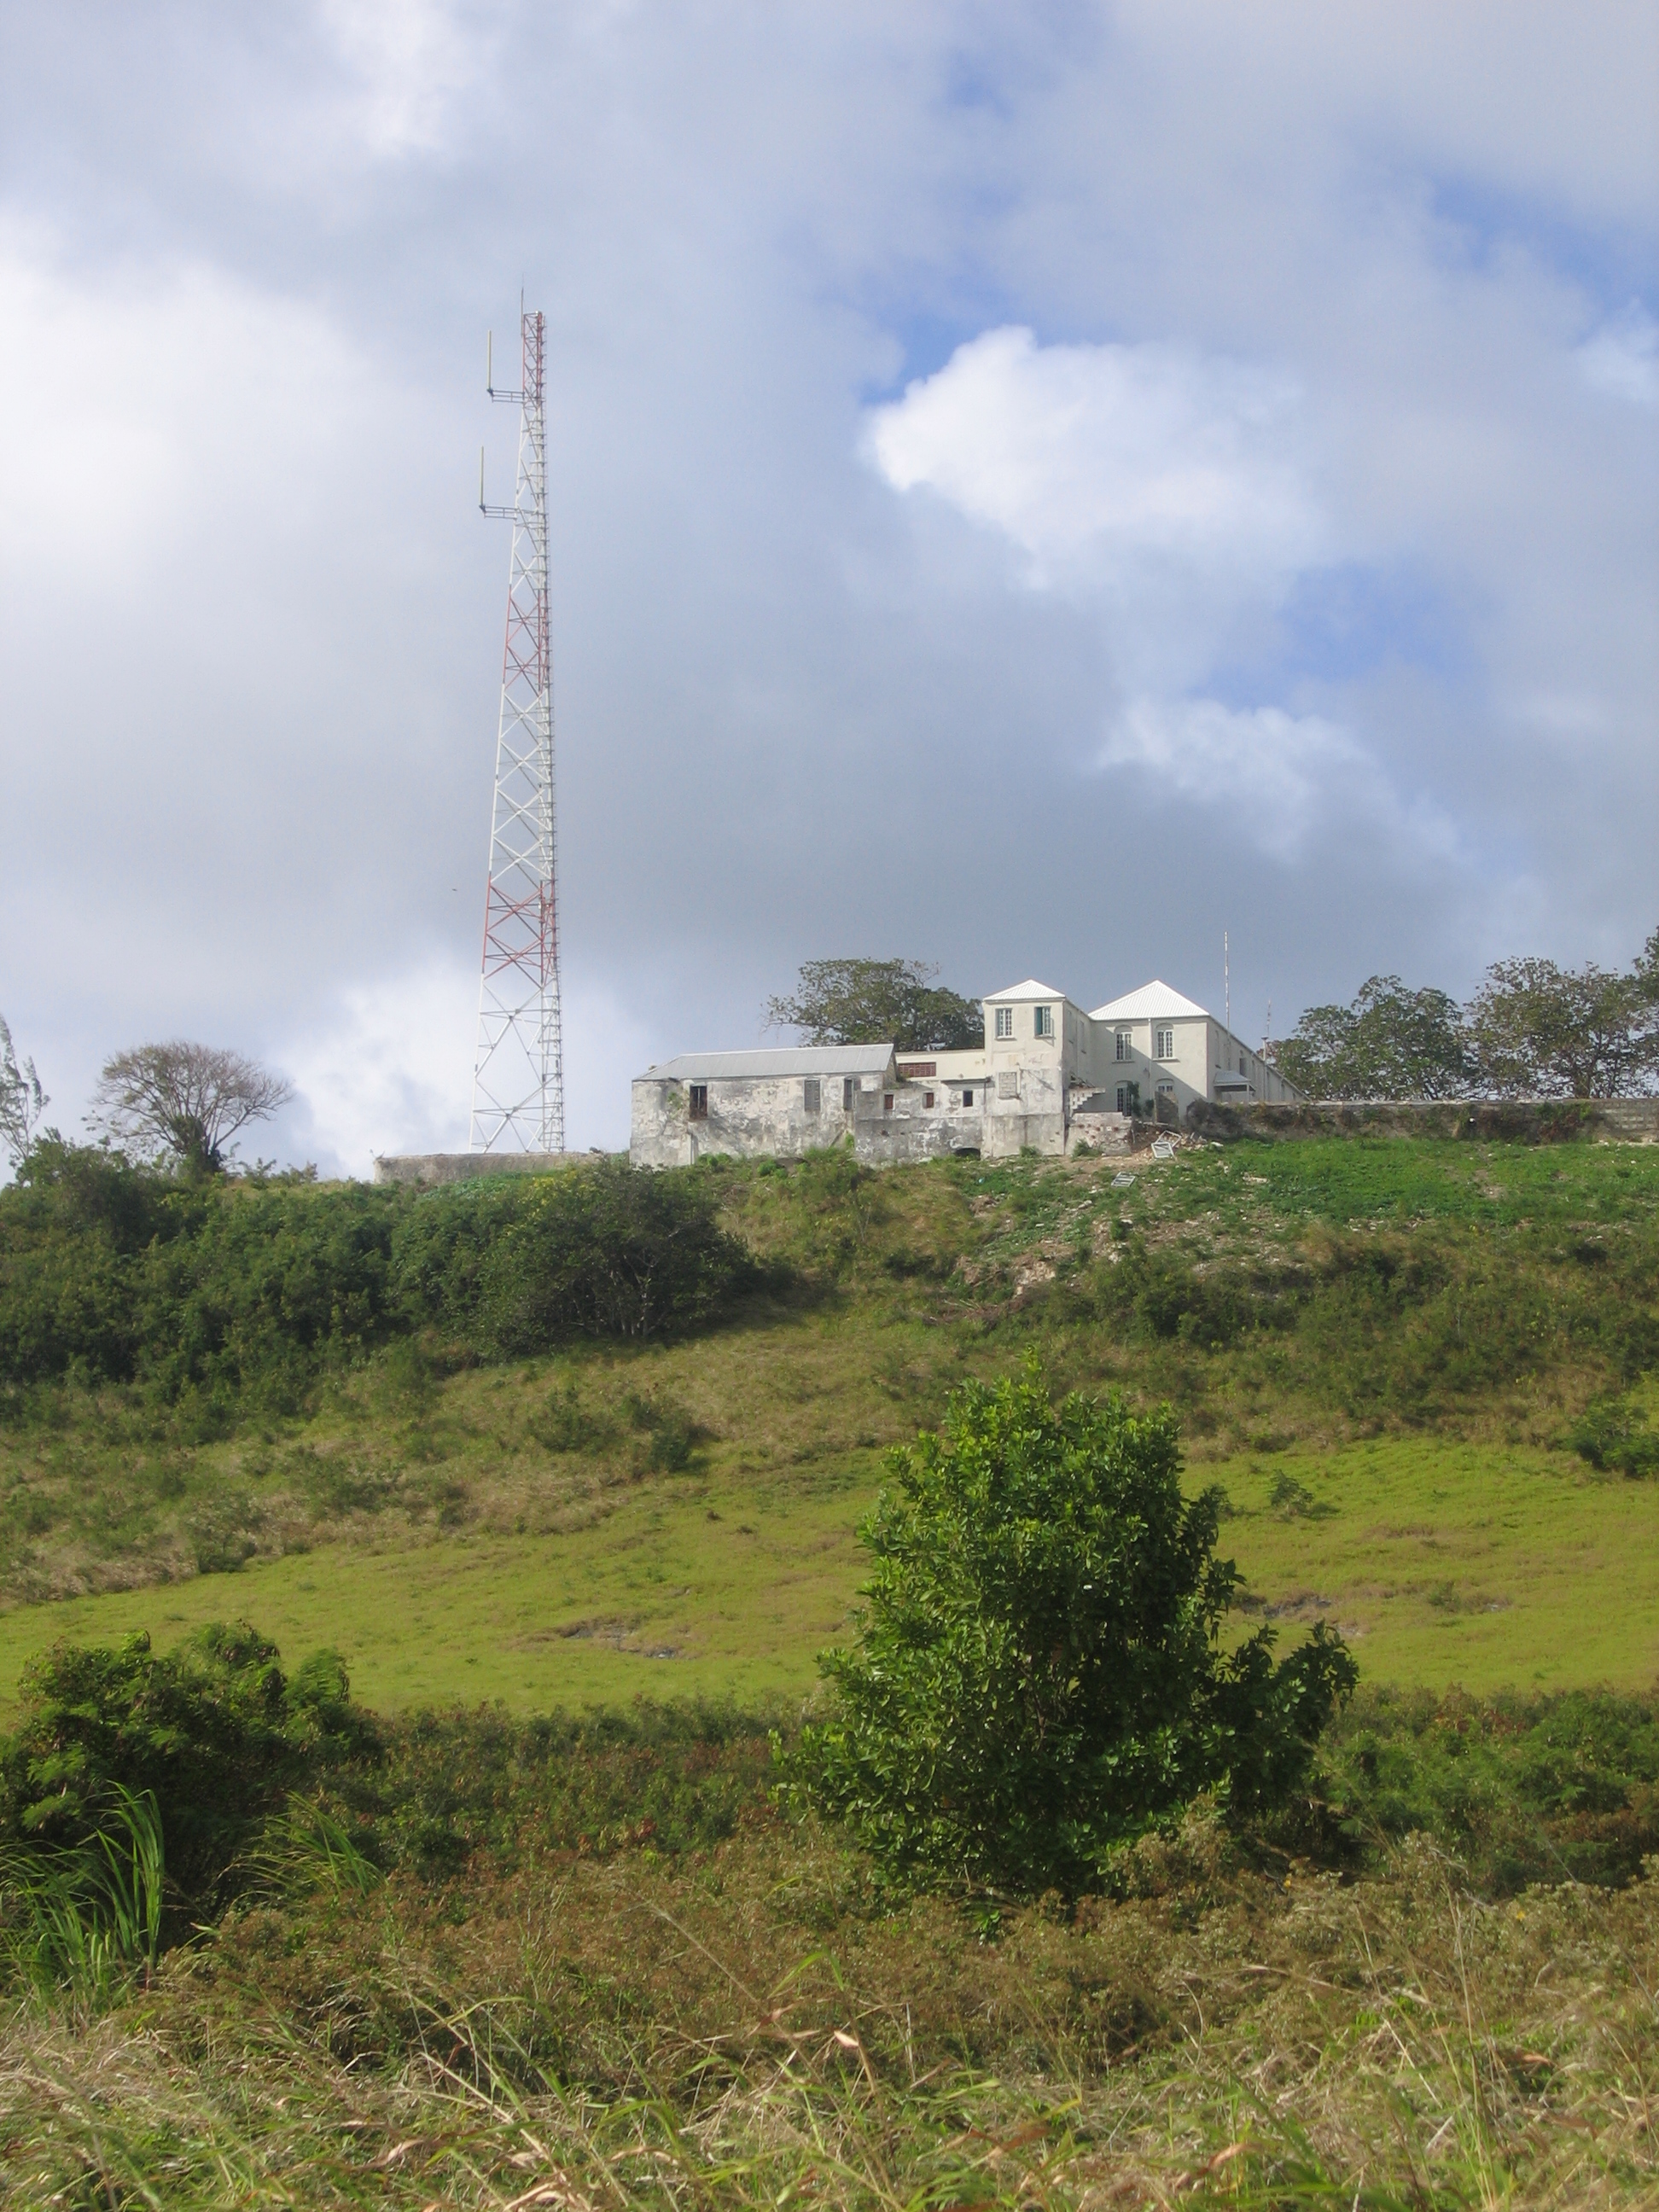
877,1002
185,1103
1038,1676
22,1100
1537,1029
1391,1042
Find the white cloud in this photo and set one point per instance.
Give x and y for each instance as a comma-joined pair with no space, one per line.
1622,358
410,60
168,410
387,1067
1269,766
1168,491
1106,454
1279,776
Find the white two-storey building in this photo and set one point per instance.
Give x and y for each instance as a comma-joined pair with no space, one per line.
1048,1075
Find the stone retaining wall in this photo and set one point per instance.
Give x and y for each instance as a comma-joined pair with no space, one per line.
427,1171
1514,1120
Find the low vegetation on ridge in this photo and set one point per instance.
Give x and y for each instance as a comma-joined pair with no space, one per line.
267,1946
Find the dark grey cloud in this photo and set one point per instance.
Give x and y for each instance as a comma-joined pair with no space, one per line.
809,702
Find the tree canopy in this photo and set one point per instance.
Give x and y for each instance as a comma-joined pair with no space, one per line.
1391,1042
1532,1030
185,1103
1551,1032
877,1002
1038,1674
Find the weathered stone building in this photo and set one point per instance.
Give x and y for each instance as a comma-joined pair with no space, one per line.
1048,1075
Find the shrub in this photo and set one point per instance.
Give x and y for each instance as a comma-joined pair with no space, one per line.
213,1732
1613,1435
1037,1677
110,1272
674,1435
517,1267
1556,1786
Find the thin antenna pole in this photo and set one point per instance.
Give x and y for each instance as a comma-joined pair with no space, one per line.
1227,980
518,1081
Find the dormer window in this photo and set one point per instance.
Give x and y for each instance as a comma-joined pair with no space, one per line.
1005,1021
1042,1021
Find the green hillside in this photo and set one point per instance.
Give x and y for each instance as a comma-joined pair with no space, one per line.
569,1473
1384,1352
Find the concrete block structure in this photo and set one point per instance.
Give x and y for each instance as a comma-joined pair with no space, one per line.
1047,1076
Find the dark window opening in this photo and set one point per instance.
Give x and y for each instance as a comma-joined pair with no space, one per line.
967,1098
811,1094
926,1098
887,1102
848,1086
698,1109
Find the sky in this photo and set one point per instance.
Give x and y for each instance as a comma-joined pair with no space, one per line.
1032,488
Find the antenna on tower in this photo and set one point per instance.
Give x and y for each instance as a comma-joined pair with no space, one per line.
518,1079
1227,981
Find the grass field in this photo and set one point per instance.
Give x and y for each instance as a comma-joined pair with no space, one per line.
1395,1334
1483,1565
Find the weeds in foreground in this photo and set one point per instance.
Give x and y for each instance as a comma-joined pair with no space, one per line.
587,2036
82,1922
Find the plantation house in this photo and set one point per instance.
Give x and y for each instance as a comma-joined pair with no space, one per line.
1048,1075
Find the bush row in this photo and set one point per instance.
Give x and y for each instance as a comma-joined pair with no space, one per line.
109,1272
1543,1788
1387,1323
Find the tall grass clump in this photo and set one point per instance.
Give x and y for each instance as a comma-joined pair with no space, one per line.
83,1919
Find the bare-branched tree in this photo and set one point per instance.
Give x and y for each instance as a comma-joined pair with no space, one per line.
185,1103
22,1100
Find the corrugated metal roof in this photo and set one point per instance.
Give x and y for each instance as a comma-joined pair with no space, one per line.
1030,989
785,1059
1146,1004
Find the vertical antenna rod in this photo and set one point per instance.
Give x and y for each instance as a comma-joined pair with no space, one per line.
1227,980
518,1078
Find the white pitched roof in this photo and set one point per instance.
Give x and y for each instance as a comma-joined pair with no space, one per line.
782,1060
1028,989
1151,1001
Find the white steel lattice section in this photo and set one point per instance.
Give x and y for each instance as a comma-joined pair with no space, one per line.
518,1081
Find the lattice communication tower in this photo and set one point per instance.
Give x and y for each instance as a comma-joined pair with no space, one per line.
518,1079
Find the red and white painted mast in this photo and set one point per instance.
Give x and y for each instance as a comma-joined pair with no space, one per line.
518,1079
